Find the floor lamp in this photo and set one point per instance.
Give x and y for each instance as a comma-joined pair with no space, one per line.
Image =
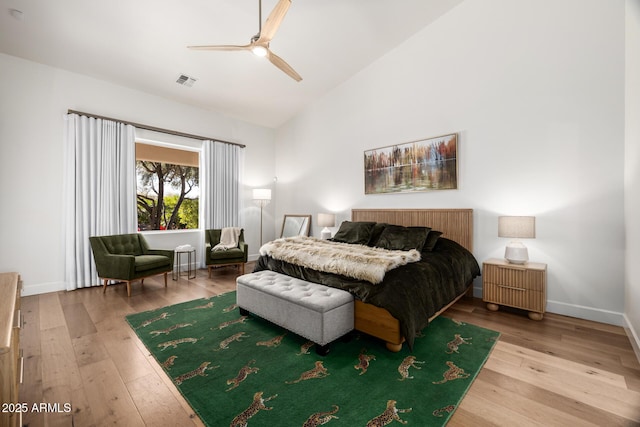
261,197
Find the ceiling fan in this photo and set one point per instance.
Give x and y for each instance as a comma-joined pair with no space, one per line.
260,42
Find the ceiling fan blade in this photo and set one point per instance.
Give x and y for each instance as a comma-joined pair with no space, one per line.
222,47
280,63
274,20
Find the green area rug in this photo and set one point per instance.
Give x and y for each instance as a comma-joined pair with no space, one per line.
237,371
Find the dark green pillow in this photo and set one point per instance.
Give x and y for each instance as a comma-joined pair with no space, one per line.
396,237
354,232
432,239
376,231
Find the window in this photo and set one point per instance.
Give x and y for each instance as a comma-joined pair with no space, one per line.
168,187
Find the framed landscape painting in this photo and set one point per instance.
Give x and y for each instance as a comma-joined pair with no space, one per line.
424,165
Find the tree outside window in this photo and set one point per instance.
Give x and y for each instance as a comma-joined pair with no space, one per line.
168,188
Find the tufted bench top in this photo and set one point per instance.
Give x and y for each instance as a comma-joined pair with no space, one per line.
314,296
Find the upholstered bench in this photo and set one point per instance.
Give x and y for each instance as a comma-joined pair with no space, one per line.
316,312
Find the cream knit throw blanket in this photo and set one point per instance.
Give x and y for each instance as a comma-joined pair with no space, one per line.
356,261
228,239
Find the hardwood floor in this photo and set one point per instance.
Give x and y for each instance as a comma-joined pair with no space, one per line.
78,349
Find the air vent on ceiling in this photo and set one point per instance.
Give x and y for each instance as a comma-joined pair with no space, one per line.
186,80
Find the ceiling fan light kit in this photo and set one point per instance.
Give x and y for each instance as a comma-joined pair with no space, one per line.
259,45
259,51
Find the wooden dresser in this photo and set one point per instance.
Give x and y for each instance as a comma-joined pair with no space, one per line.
10,358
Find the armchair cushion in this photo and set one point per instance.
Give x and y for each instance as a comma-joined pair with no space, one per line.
150,262
229,254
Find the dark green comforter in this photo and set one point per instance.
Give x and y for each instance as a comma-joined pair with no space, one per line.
411,293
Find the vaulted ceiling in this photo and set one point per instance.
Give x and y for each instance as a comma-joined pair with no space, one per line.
142,44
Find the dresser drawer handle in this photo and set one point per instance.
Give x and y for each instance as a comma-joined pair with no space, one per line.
21,368
18,320
511,287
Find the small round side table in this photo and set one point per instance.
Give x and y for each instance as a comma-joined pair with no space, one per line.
190,270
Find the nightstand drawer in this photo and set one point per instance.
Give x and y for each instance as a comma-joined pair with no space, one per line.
515,278
525,299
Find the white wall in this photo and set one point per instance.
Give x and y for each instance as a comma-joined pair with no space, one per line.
535,90
632,169
33,101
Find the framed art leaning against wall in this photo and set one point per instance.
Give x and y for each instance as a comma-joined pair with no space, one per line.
424,165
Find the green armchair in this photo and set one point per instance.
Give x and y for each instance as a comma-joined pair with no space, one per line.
235,256
127,257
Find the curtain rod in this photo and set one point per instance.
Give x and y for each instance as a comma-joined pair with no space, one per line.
153,128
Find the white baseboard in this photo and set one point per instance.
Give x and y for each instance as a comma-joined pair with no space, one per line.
587,313
581,312
633,337
43,288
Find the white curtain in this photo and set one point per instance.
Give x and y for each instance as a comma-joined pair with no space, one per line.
99,190
220,171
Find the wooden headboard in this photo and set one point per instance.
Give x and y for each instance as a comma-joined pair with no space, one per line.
455,224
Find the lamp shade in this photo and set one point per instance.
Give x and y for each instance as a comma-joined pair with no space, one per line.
261,194
326,220
520,227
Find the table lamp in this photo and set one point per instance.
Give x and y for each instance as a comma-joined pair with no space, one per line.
326,220
517,227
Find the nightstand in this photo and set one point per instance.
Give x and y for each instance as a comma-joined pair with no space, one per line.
514,285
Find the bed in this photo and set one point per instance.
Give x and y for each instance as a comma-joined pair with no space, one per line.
396,309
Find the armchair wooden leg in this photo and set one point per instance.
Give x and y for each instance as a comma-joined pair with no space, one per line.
165,279
128,288
242,268
209,268
104,288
